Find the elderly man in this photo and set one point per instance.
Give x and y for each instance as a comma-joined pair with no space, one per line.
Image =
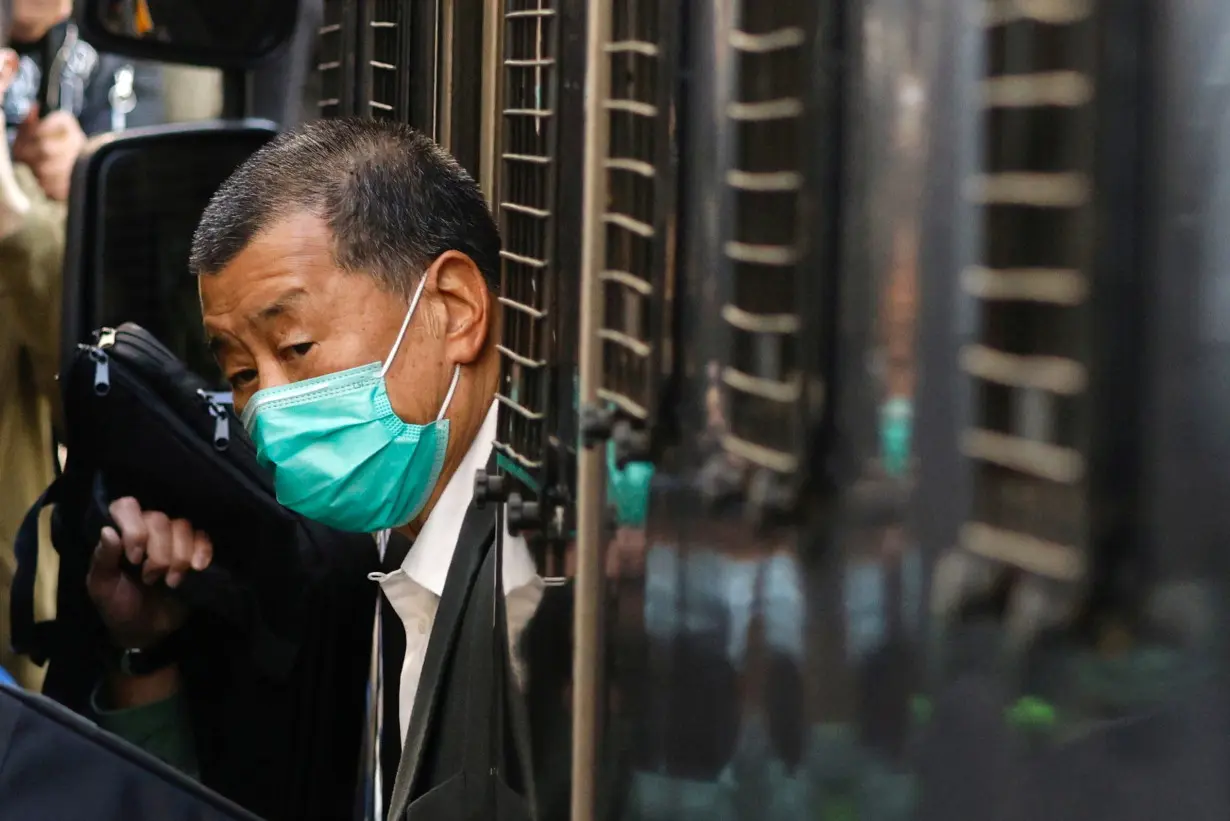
347,277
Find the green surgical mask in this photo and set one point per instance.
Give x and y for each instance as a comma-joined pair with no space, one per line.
339,453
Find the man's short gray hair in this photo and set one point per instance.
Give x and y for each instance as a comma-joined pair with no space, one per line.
393,198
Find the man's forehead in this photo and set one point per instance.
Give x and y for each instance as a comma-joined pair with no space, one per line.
262,295
293,254
298,240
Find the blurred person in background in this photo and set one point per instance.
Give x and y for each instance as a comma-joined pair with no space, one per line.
31,255
286,90
65,91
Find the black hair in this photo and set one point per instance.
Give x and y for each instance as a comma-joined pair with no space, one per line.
394,199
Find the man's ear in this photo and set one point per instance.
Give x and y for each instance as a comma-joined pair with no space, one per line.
467,302
8,68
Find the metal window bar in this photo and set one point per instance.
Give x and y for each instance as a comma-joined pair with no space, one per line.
563,290
639,169
771,366
335,58
526,214
463,63
384,28
1029,364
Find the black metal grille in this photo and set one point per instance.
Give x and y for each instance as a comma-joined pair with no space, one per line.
764,246
336,50
638,274
527,225
1029,364
385,74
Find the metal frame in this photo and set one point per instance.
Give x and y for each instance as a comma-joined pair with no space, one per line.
1030,363
421,52
462,79
337,59
639,178
587,672
533,446
384,32
775,195
490,118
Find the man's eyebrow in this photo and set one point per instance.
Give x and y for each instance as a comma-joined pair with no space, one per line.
218,344
280,305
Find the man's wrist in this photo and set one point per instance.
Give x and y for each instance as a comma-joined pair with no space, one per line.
138,656
123,692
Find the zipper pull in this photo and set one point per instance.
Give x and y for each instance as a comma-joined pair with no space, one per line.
222,422
222,431
102,372
104,337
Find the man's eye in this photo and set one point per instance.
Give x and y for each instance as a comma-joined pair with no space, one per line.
300,349
240,378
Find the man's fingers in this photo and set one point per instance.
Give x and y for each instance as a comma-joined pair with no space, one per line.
182,548
159,547
106,563
202,551
130,521
110,549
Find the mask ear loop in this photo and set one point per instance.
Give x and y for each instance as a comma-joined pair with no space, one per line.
388,362
452,388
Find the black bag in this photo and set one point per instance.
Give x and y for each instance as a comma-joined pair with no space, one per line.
275,654
56,766
467,747
138,423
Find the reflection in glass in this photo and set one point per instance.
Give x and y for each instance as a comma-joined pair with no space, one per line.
1003,597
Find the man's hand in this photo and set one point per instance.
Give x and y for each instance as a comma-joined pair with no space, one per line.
141,614
50,147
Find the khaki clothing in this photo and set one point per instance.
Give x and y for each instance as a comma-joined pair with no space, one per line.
31,261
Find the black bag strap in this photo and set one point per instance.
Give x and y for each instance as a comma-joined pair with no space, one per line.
29,638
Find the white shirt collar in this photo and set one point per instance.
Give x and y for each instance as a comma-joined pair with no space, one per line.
428,560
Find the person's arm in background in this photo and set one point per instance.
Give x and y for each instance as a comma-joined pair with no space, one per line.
49,146
31,259
31,253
